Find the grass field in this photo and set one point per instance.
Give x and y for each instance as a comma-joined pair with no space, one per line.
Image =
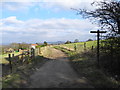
3,60
80,45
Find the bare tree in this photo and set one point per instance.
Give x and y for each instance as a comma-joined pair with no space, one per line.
106,13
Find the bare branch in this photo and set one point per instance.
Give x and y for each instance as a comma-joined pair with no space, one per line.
107,14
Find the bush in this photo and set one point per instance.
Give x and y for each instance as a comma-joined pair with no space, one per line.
45,43
67,42
89,40
110,55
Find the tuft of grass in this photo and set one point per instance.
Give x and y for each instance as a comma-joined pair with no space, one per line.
11,80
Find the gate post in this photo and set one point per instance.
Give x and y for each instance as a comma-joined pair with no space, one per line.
85,46
10,63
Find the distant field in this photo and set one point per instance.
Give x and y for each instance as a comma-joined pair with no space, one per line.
3,60
80,45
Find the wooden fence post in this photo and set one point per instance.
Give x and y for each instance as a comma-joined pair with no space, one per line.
21,58
28,55
10,63
13,58
39,51
75,47
33,53
92,48
24,60
85,46
12,55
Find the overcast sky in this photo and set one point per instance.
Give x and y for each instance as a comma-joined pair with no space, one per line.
44,20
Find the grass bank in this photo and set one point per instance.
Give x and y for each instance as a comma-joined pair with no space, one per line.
80,46
84,63
20,77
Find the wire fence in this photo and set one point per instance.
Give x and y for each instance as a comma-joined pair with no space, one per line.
80,47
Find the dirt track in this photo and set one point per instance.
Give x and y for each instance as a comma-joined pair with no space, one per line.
57,73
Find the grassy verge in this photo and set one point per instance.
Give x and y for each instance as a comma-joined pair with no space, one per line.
84,63
20,77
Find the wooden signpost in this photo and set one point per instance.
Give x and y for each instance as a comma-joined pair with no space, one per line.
98,35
